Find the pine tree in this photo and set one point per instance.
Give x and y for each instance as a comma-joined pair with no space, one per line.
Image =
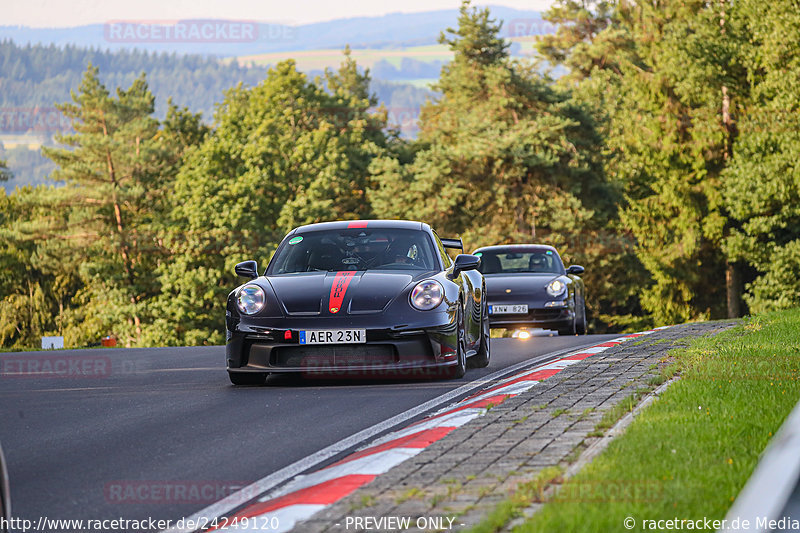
762,181
586,40
500,146
113,172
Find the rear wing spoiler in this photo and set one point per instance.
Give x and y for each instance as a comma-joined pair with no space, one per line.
456,244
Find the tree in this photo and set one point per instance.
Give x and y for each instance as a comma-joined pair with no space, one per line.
504,156
588,39
34,290
283,153
762,182
116,169
5,174
667,83
498,146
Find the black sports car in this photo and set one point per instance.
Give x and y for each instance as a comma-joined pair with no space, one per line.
375,297
528,286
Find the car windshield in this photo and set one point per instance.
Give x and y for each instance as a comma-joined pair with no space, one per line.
508,262
354,249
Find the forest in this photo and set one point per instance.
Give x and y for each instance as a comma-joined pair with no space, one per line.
34,78
664,161
41,75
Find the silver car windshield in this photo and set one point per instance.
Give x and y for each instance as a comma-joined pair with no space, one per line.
535,261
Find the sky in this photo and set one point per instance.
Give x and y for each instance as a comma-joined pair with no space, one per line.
66,13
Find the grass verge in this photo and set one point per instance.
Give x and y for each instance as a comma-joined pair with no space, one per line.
525,494
688,455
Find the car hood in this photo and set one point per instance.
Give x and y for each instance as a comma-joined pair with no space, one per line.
529,284
341,293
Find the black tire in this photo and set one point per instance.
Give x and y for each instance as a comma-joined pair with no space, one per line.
481,359
580,319
458,370
248,378
568,330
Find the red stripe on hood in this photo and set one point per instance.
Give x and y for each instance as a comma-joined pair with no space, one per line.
338,290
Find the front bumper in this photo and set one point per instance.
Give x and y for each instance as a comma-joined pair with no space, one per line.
272,346
545,318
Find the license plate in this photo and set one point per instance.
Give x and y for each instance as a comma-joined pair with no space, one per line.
333,336
518,309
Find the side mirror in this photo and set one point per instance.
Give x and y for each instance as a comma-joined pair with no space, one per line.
575,270
247,269
465,262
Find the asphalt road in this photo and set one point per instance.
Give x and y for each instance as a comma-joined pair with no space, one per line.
161,433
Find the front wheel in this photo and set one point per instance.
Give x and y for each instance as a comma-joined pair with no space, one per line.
481,359
247,378
457,371
580,319
567,330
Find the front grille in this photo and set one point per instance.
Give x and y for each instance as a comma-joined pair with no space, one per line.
333,355
532,315
546,314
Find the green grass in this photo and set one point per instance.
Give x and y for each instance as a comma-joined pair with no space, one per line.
689,453
519,420
574,454
413,492
366,501
526,493
624,407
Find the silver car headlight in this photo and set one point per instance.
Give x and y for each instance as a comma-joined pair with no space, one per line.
251,299
556,288
427,295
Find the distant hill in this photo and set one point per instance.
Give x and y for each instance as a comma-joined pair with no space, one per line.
195,61
36,77
238,38
43,75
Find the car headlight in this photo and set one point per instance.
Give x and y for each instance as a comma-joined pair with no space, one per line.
427,295
251,299
556,287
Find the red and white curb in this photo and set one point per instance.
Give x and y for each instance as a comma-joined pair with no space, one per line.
305,495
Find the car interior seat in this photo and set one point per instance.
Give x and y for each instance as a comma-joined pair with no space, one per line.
325,257
490,264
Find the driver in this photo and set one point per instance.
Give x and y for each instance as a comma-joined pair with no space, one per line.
537,263
400,251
